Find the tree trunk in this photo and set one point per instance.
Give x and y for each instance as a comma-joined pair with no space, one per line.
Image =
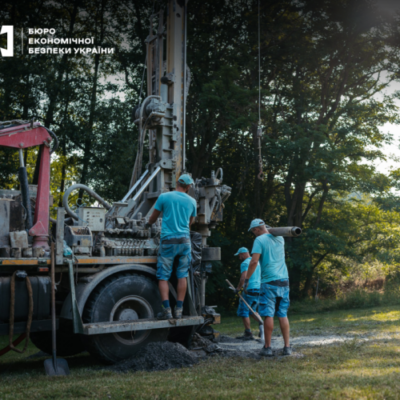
93,99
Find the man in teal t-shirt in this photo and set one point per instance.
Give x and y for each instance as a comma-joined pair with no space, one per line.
269,250
253,292
178,212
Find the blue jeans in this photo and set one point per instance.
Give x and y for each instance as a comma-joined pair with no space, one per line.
166,255
274,301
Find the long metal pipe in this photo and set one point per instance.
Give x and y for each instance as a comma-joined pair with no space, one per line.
87,189
286,231
150,178
131,190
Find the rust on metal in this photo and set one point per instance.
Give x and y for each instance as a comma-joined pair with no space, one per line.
79,260
116,260
23,261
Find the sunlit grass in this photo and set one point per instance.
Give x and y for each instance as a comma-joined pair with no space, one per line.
353,370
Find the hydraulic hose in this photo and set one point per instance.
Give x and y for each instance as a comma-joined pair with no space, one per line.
26,201
87,189
12,311
56,141
221,171
16,342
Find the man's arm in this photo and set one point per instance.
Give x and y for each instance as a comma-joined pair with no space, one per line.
154,216
191,221
252,267
242,279
253,264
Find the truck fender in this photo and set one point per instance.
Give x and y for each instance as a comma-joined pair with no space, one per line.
84,288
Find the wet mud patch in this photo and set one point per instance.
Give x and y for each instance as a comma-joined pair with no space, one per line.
232,347
161,356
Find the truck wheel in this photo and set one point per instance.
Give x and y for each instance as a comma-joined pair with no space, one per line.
118,298
68,344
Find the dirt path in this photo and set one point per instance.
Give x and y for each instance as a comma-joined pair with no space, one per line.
231,344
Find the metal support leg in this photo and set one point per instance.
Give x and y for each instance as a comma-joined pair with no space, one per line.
77,320
60,236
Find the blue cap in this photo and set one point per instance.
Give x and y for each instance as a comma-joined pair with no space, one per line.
242,250
256,223
186,179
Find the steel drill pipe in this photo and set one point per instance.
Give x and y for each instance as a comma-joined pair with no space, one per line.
286,231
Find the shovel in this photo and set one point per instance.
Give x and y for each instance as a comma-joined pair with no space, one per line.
256,314
54,366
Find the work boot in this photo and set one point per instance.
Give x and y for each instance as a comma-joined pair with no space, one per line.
178,312
266,352
248,335
287,351
165,313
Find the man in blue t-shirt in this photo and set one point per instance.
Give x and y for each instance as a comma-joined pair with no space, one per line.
253,291
178,213
269,250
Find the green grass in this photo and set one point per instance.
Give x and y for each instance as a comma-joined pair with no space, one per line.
355,370
358,298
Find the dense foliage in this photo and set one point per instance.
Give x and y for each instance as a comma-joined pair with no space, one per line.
324,69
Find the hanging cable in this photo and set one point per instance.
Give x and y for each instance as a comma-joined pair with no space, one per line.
184,91
141,84
138,162
259,68
259,129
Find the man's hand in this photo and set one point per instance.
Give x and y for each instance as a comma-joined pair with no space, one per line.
153,217
236,291
147,225
246,283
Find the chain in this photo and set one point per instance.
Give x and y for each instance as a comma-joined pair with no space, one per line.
259,130
260,160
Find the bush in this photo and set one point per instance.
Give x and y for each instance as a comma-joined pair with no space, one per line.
358,298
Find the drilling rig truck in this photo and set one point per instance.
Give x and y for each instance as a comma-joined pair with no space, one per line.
104,257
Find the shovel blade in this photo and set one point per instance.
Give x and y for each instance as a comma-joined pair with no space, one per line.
261,327
60,369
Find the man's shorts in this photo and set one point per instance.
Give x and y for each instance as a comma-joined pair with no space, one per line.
252,300
166,256
274,301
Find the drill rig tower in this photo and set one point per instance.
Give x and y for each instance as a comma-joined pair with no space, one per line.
107,295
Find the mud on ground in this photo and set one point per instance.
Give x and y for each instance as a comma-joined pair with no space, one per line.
159,356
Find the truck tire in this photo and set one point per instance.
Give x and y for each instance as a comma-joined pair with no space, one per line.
122,297
68,344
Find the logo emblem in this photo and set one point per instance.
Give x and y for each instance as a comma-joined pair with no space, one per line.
9,51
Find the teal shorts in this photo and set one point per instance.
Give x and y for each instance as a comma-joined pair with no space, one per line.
252,300
274,300
167,254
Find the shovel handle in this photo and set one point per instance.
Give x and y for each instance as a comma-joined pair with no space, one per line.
53,307
256,314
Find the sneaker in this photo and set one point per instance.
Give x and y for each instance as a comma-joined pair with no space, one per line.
248,336
178,312
165,313
266,352
287,351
